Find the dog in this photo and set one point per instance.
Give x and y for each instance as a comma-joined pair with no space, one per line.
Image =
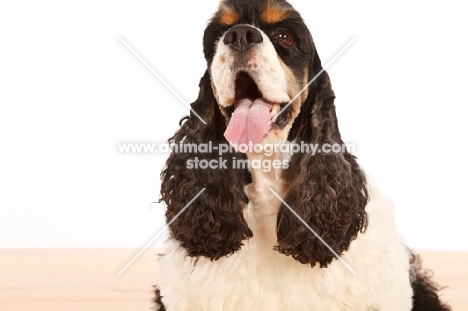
277,230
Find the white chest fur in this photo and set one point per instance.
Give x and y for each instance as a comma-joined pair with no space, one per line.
261,279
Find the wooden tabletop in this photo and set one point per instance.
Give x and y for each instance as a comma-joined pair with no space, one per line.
86,279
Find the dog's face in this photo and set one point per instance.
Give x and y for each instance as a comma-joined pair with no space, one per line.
259,55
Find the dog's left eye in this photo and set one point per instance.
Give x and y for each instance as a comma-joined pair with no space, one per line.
284,37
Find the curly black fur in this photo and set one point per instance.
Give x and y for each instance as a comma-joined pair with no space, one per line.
328,190
157,300
213,225
425,291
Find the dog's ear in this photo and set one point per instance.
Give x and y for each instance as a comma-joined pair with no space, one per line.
212,225
328,191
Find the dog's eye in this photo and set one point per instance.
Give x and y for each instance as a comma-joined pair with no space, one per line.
284,37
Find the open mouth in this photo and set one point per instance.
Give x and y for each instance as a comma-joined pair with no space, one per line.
251,114
246,87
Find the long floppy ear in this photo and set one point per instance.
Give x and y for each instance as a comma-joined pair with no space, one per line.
212,225
328,191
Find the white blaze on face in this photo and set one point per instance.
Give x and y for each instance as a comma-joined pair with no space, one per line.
262,64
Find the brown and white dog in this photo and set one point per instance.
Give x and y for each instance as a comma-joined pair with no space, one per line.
304,232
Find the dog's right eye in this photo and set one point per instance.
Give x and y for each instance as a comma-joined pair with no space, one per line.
284,37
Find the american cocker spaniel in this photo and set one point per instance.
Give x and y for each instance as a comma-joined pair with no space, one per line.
266,211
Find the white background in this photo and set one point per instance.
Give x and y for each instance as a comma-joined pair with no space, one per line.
70,91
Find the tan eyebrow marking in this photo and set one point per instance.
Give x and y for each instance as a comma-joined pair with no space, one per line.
274,14
227,16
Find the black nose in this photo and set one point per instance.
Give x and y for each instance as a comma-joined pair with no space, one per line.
241,38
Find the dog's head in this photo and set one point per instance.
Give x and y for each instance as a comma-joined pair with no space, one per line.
260,54
264,83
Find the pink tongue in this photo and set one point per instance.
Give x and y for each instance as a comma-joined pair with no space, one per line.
249,123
